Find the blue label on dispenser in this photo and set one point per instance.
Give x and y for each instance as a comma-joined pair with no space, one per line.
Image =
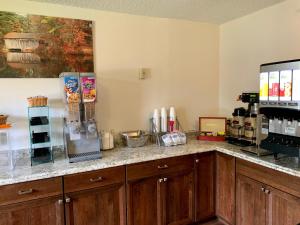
71,84
71,87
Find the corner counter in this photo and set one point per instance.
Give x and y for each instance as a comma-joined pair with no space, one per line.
125,156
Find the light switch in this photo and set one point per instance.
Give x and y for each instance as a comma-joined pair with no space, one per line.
142,73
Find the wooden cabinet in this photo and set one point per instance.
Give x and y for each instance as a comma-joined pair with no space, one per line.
162,193
101,206
282,208
98,198
178,197
225,187
142,201
251,202
48,211
259,203
172,191
204,186
32,203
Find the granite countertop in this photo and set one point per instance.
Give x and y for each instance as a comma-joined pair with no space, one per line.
124,156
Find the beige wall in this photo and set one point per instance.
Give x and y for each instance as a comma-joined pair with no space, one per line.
272,34
183,58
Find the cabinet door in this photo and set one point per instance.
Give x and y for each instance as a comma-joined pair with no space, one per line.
205,186
142,201
282,208
225,187
47,211
179,198
100,206
250,202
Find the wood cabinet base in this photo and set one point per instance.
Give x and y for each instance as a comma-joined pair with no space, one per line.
48,211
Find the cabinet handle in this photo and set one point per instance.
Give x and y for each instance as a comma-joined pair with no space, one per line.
163,167
96,179
68,200
263,189
165,179
25,192
60,201
197,160
267,191
160,180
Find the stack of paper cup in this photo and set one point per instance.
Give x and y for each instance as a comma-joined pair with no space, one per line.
156,121
164,120
172,122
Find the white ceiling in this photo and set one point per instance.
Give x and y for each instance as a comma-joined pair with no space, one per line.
211,11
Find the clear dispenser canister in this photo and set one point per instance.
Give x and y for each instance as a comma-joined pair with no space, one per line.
70,83
88,92
7,155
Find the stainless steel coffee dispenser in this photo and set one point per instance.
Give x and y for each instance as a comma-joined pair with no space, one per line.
242,127
279,113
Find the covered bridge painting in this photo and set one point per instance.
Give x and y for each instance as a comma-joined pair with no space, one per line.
34,46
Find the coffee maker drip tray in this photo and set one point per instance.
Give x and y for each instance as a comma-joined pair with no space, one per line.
278,143
240,141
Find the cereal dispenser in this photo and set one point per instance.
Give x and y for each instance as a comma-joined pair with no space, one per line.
81,137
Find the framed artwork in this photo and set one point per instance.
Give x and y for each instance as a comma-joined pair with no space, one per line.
34,46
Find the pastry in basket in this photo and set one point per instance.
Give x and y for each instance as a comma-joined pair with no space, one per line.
3,119
3,122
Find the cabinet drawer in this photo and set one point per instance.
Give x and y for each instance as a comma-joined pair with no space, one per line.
159,167
94,179
274,178
30,190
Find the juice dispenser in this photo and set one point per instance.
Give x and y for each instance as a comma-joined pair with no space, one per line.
279,125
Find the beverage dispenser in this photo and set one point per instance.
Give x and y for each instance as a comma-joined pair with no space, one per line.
279,113
81,137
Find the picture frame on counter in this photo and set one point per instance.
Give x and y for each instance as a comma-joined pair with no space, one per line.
212,128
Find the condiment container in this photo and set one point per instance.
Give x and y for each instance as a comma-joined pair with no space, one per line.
134,139
107,140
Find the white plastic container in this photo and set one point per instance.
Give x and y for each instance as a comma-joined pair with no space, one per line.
107,140
7,156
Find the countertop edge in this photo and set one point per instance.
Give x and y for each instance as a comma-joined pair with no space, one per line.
98,165
261,162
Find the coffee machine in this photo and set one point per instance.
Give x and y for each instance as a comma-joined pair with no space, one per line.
279,112
242,128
